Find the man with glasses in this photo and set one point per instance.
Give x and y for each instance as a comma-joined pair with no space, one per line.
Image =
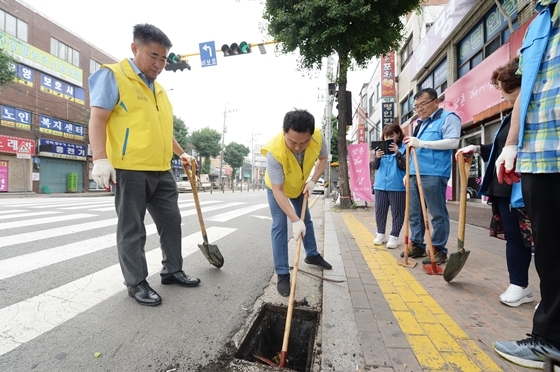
436,134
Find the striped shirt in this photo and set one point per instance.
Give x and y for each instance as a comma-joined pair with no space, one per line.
540,152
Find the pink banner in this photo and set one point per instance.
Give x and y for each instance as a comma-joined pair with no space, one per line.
358,169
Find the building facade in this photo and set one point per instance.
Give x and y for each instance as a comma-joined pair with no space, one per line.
45,111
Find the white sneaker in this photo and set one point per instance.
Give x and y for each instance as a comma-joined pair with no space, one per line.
516,295
379,239
393,242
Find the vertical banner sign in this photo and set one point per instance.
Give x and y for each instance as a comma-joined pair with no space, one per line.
360,183
388,75
387,113
3,176
361,133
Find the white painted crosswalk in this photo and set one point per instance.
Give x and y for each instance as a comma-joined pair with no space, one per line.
37,234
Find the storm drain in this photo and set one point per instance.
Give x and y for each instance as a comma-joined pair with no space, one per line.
265,337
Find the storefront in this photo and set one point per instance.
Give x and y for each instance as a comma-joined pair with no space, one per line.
15,170
61,166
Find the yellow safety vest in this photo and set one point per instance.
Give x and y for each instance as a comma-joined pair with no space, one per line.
140,128
295,175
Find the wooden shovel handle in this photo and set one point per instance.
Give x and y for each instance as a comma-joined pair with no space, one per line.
464,169
190,173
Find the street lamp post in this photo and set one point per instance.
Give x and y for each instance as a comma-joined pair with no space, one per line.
253,135
223,135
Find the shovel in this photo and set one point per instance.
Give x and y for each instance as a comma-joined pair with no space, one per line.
457,260
210,251
432,268
289,314
405,261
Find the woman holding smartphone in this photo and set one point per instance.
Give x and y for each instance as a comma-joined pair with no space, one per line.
388,185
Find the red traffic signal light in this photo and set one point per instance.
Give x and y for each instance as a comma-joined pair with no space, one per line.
174,63
236,49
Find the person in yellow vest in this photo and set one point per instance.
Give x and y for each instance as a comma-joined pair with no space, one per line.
131,137
290,157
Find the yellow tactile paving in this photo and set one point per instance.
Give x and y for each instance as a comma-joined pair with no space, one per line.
436,339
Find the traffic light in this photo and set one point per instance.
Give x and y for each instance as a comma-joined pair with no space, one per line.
174,63
348,120
236,49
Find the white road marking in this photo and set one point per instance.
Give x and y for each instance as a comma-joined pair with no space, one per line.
36,221
236,213
28,214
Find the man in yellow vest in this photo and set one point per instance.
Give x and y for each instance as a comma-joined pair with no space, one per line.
131,137
290,157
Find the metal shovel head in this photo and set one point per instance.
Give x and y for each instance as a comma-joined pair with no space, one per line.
433,269
455,265
409,262
212,254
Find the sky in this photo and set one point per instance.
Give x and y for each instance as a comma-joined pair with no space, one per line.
255,90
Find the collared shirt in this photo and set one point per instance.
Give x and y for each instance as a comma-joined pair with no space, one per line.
540,151
451,128
103,89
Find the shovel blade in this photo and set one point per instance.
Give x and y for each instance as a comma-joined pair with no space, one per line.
455,265
407,263
212,254
433,269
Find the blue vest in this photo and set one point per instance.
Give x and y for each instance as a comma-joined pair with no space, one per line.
433,162
389,177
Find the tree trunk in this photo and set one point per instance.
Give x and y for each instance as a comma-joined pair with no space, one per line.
343,106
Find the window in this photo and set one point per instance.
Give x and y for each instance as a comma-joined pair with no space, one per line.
486,37
437,78
93,66
407,107
406,52
64,52
378,91
13,26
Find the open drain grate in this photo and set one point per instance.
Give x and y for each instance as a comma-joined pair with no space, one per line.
265,337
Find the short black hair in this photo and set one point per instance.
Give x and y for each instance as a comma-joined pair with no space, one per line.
300,121
145,33
429,91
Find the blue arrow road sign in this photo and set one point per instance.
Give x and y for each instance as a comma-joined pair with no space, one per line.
207,54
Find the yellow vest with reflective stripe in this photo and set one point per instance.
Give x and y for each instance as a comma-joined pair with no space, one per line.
295,175
140,128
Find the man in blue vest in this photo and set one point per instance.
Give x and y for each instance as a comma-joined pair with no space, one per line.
435,136
534,144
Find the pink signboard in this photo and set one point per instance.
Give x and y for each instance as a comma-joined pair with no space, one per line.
388,75
3,176
473,93
358,169
10,144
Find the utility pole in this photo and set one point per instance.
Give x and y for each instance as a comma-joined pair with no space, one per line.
328,124
253,135
223,135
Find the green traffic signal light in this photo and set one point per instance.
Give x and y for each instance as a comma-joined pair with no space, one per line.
236,49
174,63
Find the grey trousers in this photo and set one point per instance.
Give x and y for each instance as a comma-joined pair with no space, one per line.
135,192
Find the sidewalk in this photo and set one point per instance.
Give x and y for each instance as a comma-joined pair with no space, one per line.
407,320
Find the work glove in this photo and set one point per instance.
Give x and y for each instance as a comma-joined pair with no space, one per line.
186,159
505,165
308,188
103,173
467,151
413,142
298,228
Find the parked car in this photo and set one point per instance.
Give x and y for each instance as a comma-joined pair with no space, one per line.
319,186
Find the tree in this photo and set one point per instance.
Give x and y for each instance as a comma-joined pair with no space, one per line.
234,154
355,30
334,138
207,144
7,68
180,132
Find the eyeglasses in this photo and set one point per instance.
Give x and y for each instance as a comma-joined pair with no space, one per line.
422,105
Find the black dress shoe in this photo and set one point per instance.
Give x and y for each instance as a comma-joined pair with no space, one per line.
144,294
181,279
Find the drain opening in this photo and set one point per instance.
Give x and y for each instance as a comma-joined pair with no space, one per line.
265,337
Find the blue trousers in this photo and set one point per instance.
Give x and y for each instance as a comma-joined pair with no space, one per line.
434,188
279,233
384,199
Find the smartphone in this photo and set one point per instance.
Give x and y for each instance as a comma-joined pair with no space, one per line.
389,143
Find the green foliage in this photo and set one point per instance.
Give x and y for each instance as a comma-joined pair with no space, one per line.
234,154
334,138
206,141
7,68
180,132
206,166
355,30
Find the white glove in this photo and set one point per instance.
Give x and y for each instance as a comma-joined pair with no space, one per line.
309,186
505,165
413,142
186,158
298,228
103,173
467,150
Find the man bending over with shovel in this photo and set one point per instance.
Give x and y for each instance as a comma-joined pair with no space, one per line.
290,157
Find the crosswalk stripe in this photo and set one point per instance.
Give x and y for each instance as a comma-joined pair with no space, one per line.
236,213
63,204
86,206
29,214
13,211
36,221
28,319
